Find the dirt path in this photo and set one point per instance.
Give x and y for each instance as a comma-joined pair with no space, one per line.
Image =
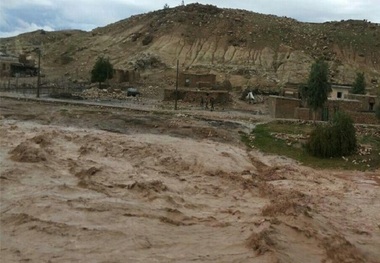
82,184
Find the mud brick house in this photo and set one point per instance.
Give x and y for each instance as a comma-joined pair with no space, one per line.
290,90
5,64
12,66
367,102
340,91
199,81
130,76
359,107
220,97
195,88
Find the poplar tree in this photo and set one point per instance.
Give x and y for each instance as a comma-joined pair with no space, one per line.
318,86
359,84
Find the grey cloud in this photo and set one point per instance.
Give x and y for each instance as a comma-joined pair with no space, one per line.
20,16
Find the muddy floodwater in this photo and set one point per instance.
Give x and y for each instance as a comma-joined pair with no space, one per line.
82,184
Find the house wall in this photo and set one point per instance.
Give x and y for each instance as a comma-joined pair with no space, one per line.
305,114
343,105
335,90
195,79
5,69
283,107
364,117
121,76
365,101
10,66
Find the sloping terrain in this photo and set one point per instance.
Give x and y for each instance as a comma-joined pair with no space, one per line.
148,191
247,48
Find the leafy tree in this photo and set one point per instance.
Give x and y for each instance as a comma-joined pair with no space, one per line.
166,6
338,138
303,95
359,84
377,111
102,70
318,86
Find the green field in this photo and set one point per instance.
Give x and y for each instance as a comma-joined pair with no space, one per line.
288,139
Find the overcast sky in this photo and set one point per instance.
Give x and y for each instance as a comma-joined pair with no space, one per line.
19,16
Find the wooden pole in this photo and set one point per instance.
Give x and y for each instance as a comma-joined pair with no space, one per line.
176,87
39,73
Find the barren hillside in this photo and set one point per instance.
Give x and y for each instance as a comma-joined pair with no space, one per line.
246,47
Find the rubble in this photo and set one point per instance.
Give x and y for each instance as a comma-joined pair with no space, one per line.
290,138
364,150
110,93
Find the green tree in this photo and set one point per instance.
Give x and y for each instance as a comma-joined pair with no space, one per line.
318,86
377,111
359,84
303,94
338,138
101,71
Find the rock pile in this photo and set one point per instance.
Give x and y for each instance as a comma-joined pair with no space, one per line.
290,138
364,150
96,93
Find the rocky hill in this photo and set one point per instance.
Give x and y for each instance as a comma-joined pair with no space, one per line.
247,48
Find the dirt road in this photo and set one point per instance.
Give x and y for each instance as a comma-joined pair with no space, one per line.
89,184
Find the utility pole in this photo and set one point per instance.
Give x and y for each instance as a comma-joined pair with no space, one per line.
39,72
176,87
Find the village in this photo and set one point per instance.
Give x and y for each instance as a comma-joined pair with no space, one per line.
191,134
194,89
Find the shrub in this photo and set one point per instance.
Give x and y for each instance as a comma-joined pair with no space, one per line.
147,40
377,111
337,138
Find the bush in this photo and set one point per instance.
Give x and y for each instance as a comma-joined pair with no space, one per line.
338,138
377,111
147,40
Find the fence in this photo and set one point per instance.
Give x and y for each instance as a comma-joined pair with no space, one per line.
28,86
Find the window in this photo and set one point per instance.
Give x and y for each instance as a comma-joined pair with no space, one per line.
339,95
4,66
371,106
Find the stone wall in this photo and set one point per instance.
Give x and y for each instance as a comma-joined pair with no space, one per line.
366,101
343,105
364,117
304,114
195,96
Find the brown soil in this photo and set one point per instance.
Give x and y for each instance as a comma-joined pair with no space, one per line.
84,184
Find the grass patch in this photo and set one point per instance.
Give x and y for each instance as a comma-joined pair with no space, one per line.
287,139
